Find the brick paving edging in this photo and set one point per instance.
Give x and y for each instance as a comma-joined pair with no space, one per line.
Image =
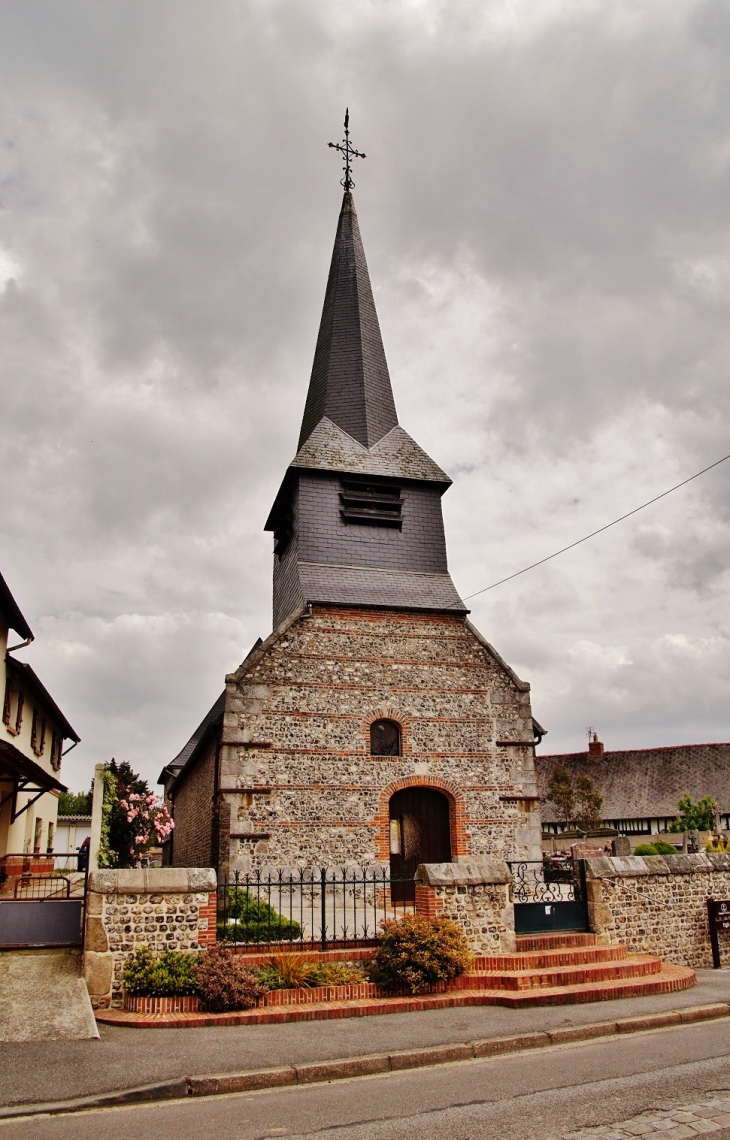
679,1123
218,1084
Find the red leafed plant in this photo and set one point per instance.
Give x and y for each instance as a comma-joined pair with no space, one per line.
224,982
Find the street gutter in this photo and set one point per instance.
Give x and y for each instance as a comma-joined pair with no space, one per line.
317,1072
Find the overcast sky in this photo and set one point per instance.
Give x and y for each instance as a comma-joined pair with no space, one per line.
545,213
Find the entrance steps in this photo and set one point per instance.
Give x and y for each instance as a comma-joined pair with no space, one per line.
555,969
561,969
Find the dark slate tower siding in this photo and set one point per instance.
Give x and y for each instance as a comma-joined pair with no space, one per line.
350,430
350,383
324,536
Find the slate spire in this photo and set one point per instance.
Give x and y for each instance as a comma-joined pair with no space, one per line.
350,383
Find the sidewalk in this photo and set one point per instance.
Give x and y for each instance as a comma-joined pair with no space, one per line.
35,1072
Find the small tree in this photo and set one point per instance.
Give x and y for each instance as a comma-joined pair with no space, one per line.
699,816
133,818
74,803
589,802
561,792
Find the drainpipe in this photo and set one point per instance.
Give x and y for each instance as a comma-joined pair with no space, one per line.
20,645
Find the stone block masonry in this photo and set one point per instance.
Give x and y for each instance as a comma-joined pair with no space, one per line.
296,772
165,908
658,905
476,895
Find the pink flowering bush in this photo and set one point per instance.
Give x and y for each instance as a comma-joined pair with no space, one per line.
150,823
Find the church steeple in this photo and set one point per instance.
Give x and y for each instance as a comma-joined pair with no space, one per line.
357,520
350,383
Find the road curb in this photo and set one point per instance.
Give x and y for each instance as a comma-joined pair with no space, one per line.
318,1072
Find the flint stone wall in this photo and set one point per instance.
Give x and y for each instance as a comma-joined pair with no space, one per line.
476,895
165,908
657,904
295,741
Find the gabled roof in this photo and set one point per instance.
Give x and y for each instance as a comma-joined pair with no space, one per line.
213,714
32,682
9,607
350,383
646,783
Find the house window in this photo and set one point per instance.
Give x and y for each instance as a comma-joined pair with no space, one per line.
376,504
56,742
13,708
385,738
38,733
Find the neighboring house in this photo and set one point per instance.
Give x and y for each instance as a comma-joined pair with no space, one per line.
642,787
375,725
32,736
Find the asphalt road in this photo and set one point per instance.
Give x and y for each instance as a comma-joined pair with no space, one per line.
526,1096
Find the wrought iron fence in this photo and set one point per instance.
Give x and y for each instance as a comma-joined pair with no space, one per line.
311,907
547,881
27,875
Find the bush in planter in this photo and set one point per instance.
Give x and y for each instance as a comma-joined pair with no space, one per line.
170,974
224,982
255,920
417,952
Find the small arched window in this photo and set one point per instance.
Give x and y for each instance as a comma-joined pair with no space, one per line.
384,738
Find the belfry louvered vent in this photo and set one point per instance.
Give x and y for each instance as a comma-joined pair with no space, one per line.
378,504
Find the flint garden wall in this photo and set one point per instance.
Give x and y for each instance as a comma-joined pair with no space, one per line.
475,894
165,908
658,905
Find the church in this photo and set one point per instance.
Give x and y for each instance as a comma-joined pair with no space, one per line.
375,725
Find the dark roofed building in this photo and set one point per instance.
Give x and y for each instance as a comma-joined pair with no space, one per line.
641,787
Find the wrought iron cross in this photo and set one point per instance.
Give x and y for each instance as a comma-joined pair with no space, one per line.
348,152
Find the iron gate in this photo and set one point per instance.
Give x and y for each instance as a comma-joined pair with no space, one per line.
549,896
42,900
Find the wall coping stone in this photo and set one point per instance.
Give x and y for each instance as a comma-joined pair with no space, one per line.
472,872
153,881
634,866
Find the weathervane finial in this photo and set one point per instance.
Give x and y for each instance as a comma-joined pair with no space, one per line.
348,152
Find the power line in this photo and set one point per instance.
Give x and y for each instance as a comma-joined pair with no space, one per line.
599,531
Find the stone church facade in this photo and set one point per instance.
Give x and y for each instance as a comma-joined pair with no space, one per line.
375,725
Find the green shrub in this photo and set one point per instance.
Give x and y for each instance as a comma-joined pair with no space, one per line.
225,982
659,847
170,974
255,921
417,952
339,974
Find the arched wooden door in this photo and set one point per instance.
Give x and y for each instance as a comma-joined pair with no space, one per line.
420,832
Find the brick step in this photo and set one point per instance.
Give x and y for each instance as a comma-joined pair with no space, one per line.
547,959
637,966
670,980
530,942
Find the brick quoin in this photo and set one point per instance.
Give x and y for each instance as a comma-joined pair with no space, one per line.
457,826
428,905
207,916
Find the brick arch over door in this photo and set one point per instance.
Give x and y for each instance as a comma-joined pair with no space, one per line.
457,823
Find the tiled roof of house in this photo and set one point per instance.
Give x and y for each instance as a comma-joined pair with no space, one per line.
647,782
10,608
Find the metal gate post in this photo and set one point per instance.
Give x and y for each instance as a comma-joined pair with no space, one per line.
323,880
584,891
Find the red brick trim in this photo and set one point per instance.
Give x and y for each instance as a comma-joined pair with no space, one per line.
427,902
207,920
457,815
389,713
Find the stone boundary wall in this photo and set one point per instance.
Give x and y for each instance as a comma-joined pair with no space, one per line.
657,904
476,895
165,908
